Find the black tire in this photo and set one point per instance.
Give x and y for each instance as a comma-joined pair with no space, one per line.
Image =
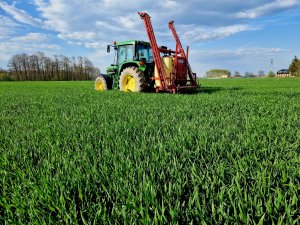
132,79
103,82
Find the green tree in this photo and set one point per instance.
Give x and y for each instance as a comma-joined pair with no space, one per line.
5,75
2,74
294,68
271,74
214,73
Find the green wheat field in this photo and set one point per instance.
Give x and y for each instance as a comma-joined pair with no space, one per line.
229,154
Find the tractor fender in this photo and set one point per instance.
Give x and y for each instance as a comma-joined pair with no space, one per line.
134,64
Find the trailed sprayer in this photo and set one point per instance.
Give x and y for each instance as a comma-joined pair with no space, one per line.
145,66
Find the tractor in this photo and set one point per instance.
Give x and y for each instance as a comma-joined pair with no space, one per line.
143,66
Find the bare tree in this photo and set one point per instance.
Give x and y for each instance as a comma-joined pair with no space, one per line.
41,67
13,64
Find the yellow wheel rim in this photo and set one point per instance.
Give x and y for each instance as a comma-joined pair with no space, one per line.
99,86
129,83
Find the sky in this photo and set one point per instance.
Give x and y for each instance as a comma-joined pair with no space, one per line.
237,35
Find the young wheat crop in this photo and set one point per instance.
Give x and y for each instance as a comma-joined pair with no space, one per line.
227,155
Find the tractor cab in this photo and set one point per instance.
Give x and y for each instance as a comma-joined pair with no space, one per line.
132,50
131,53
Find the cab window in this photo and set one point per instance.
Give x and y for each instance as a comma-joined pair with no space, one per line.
144,51
125,53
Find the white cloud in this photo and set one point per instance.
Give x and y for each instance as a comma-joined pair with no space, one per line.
78,35
5,21
129,22
8,26
54,12
22,44
101,21
75,43
12,47
95,45
239,52
169,4
70,16
102,26
31,38
208,33
21,15
112,3
267,8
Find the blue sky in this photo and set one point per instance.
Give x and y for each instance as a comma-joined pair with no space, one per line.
234,34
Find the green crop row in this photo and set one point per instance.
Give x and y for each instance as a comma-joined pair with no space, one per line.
229,154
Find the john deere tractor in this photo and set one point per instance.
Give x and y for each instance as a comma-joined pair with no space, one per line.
141,66
132,69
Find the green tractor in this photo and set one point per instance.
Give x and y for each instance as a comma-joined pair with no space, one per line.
132,69
143,66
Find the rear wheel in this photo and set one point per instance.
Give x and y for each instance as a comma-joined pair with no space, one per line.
103,83
132,79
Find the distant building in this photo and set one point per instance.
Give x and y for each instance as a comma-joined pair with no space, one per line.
224,76
219,77
283,73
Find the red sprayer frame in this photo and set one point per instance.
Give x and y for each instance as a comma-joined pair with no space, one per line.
179,49
181,67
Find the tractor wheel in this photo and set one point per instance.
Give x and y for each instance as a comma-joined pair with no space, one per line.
132,79
103,83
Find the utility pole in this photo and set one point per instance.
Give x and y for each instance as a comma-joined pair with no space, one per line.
271,65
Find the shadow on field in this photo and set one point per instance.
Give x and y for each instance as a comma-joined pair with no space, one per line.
210,90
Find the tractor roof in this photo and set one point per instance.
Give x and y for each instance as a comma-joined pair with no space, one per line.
131,42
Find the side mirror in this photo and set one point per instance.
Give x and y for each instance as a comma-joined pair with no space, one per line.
108,49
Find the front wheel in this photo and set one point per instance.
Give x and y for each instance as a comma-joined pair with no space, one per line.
103,83
132,79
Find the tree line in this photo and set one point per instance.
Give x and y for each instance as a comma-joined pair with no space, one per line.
24,67
294,70
223,73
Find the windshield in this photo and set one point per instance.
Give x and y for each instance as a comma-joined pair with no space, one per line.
125,53
144,51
